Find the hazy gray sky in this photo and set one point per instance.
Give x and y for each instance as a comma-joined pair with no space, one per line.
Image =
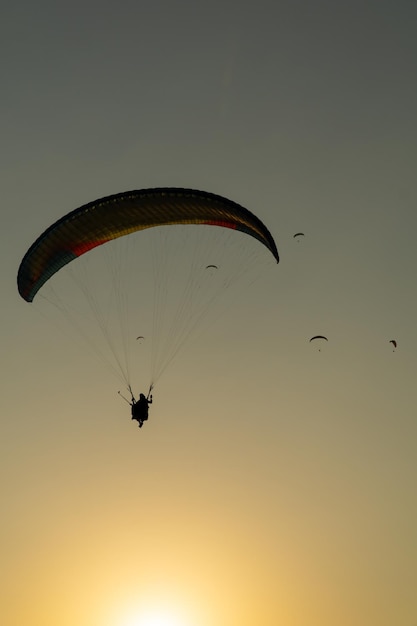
274,484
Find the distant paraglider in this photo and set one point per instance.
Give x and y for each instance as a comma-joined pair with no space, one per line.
318,338
394,343
297,236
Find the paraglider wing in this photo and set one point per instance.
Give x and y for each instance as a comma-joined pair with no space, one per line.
214,267
394,343
114,216
319,337
298,235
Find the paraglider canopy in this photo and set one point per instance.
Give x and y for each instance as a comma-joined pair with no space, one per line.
108,279
394,343
115,216
318,338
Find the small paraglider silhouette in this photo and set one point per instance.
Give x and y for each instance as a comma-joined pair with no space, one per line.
318,337
394,343
210,271
297,236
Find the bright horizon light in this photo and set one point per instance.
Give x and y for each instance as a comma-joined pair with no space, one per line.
156,618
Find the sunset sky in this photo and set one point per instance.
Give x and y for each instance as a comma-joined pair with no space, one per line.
274,483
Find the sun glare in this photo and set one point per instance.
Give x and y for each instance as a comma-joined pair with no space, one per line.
155,618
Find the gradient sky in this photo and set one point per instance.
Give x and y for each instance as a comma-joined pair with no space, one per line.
274,484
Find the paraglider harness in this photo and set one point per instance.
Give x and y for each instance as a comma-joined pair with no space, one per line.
139,408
